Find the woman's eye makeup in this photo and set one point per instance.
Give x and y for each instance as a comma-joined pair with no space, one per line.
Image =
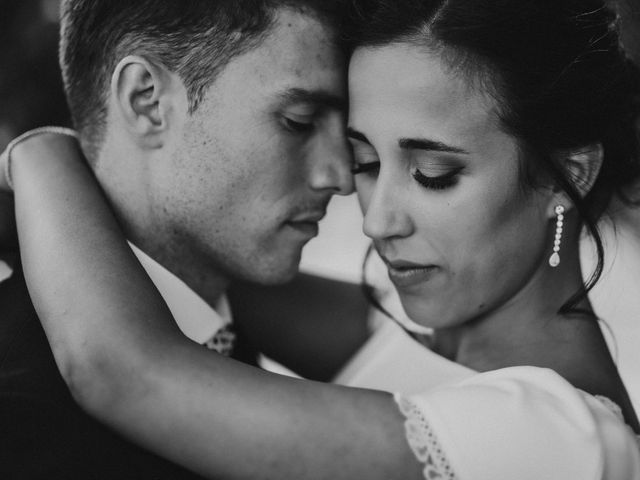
431,171
439,182
367,167
365,158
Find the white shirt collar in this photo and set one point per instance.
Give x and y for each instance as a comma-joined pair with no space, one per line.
194,316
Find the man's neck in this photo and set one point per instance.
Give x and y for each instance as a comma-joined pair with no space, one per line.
135,210
183,262
527,329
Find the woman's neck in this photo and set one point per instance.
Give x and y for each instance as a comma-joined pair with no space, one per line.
528,330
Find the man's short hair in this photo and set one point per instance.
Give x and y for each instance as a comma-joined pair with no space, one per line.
193,38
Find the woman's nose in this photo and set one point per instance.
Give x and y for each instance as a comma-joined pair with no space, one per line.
386,214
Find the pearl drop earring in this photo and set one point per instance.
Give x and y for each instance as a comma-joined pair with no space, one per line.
554,259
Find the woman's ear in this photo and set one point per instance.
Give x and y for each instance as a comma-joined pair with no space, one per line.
145,96
582,167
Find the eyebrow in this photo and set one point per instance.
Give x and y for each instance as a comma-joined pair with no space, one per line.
430,145
318,97
412,143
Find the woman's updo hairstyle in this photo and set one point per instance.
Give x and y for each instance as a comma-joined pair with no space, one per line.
557,71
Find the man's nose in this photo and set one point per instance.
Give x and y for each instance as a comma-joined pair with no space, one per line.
331,168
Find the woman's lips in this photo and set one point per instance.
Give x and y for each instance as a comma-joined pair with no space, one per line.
406,274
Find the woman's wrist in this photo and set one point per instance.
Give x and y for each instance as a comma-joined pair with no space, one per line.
34,144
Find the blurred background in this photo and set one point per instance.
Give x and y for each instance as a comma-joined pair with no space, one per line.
30,86
31,95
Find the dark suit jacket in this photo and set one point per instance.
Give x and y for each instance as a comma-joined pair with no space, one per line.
43,433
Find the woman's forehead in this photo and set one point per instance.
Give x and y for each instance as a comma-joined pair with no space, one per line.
407,88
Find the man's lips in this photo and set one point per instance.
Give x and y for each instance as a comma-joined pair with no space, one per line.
308,217
306,223
307,229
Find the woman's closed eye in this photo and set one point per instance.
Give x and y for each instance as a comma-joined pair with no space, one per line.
366,167
438,182
432,182
365,157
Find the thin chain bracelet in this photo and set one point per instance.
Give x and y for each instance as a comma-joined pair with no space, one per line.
6,155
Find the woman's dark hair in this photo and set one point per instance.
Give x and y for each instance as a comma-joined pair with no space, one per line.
557,70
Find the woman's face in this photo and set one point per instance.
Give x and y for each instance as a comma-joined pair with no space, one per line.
440,188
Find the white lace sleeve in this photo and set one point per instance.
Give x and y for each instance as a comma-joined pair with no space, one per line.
424,443
616,410
522,423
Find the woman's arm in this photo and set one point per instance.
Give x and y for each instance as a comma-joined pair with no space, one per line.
127,363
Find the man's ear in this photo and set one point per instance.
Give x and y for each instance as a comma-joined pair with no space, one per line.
146,98
582,167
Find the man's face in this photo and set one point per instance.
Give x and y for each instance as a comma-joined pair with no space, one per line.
262,155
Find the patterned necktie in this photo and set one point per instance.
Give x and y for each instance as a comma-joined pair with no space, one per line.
223,341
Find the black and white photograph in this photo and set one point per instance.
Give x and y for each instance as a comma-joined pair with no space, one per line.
320,239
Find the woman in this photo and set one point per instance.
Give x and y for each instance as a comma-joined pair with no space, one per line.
485,135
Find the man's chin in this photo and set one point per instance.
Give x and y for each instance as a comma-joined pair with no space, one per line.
279,276
280,271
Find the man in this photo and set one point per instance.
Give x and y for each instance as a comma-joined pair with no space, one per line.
216,129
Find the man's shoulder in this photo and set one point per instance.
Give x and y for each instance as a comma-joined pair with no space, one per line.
39,418
26,360
17,313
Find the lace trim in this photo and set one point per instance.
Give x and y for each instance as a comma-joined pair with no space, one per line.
615,408
424,443
223,341
611,405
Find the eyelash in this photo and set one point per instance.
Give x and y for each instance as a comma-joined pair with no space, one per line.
441,182
369,167
296,127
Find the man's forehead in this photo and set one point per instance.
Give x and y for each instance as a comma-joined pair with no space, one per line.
301,41
298,62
